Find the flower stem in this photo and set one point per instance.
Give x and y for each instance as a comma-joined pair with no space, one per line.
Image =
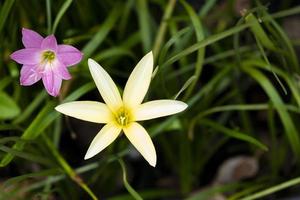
67,168
49,17
126,184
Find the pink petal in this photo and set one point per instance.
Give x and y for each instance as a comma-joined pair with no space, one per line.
31,39
30,56
52,82
29,75
61,70
68,54
49,43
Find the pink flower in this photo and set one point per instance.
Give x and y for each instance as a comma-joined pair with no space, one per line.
44,59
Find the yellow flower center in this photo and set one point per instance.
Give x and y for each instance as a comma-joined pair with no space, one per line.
48,56
122,117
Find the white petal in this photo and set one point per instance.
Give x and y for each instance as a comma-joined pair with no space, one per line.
86,110
158,108
105,85
104,138
141,140
138,82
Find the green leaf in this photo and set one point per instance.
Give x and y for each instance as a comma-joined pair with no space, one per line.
201,52
233,133
271,190
101,34
39,124
8,107
43,173
6,7
45,117
259,32
60,13
290,129
144,23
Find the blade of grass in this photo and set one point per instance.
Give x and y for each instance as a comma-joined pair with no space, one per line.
8,107
103,31
259,32
45,117
130,189
31,107
214,38
286,119
186,85
271,190
163,28
49,16
233,133
43,173
25,155
37,126
201,52
67,168
60,13
4,12
144,23
207,7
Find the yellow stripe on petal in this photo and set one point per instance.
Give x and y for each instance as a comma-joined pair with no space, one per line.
141,140
105,85
138,82
158,108
104,138
91,111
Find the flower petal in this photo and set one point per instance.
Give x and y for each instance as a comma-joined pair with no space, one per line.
141,140
90,111
59,69
52,82
158,108
104,138
49,43
31,56
105,85
68,55
29,75
138,82
31,39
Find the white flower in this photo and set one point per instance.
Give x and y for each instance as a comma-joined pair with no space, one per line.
122,113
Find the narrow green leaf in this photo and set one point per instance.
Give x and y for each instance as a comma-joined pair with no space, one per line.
43,173
201,52
144,23
186,85
28,156
8,107
101,34
290,129
60,13
31,107
5,81
259,32
6,7
233,133
39,124
113,53
271,190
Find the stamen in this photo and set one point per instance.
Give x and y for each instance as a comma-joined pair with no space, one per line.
48,56
122,117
